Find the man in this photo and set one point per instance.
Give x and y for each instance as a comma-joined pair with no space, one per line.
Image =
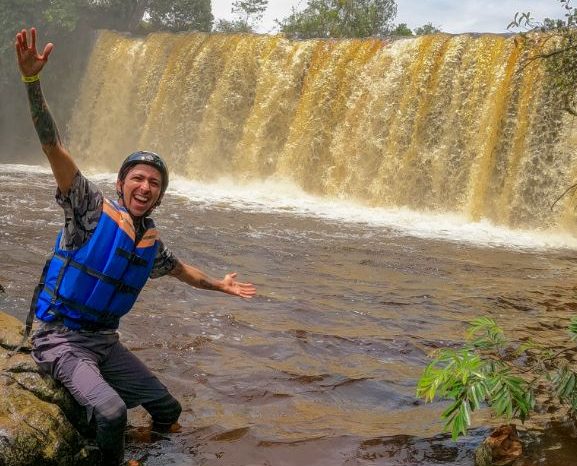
102,258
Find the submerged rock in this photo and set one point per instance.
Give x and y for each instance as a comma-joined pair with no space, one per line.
40,423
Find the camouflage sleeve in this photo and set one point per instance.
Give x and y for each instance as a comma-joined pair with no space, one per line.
82,207
164,262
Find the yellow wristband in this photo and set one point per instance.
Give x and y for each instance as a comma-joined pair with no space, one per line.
31,79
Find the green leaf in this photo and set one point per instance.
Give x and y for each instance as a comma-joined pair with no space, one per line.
484,373
573,328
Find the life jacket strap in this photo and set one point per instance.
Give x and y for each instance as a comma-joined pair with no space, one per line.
103,317
67,261
82,324
120,287
132,258
32,311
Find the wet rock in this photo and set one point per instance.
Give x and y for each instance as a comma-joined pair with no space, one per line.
502,448
40,423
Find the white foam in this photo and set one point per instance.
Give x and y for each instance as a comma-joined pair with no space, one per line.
15,167
283,197
276,196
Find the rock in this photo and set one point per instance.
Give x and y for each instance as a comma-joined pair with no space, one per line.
40,423
10,332
502,448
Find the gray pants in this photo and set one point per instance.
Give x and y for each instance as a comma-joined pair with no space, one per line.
105,378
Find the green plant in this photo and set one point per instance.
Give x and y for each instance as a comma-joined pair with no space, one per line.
505,376
555,42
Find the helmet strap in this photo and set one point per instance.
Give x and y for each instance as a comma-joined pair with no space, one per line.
120,195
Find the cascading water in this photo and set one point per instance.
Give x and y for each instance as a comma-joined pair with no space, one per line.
455,124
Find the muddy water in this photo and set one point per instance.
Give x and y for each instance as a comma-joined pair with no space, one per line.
320,368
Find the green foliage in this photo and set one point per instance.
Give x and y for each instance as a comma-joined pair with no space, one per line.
16,14
248,14
180,15
63,14
251,9
573,329
555,42
549,23
232,27
340,18
491,371
67,24
426,29
121,15
402,30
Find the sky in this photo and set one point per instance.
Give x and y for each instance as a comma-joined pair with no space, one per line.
453,16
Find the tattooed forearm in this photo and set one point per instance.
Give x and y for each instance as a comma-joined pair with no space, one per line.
41,116
207,285
187,274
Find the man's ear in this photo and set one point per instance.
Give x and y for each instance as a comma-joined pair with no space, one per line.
119,186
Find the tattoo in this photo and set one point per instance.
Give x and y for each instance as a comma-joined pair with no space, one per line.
41,116
207,285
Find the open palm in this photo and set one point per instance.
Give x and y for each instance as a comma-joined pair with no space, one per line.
231,286
29,60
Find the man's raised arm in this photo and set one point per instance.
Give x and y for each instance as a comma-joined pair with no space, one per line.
31,63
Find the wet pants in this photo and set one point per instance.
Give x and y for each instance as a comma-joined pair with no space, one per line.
106,379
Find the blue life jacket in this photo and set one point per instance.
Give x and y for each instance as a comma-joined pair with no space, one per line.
92,287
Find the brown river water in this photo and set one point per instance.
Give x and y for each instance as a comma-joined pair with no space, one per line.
320,368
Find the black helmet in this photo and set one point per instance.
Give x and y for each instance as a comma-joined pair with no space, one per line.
148,158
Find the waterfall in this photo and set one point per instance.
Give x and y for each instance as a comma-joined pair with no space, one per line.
440,123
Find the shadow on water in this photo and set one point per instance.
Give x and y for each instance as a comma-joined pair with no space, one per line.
238,447
553,446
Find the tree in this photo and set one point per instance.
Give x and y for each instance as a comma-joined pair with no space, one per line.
508,377
121,15
180,15
402,30
248,14
426,29
340,18
252,10
164,15
232,26
15,14
555,42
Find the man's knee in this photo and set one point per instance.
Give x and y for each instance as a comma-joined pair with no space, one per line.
164,411
111,414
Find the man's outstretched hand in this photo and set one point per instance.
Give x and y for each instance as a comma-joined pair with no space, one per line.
231,286
30,61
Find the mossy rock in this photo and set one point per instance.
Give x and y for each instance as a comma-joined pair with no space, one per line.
11,330
39,421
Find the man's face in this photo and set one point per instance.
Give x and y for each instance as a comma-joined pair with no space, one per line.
141,188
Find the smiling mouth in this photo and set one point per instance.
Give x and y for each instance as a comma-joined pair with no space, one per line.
141,199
